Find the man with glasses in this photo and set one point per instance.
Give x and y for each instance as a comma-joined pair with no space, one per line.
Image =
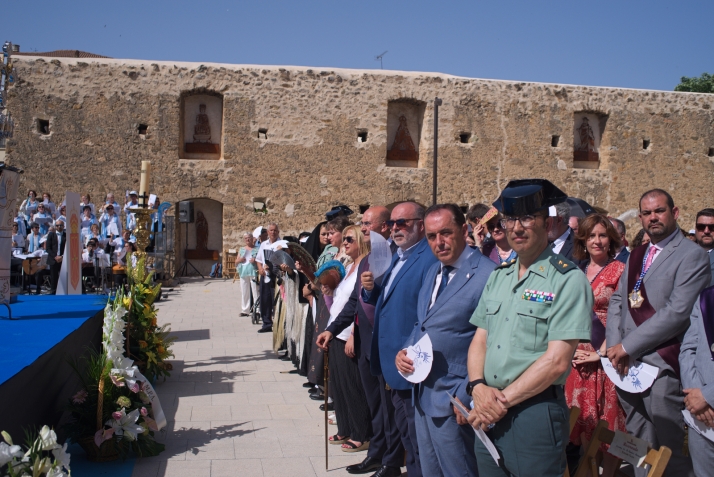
704,235
530,318
395,299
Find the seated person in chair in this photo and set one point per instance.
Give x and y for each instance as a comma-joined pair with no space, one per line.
92,258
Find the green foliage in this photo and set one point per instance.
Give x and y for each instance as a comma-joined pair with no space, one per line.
702,84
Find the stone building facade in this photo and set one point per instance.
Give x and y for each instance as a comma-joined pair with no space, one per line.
285,144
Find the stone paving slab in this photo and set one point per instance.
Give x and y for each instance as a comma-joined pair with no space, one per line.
231,406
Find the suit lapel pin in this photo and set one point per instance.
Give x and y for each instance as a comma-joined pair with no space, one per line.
468,275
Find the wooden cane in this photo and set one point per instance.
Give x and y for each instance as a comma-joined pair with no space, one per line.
326,377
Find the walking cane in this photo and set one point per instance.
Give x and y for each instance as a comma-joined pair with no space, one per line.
326,377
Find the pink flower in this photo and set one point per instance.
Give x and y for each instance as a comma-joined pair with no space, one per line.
144,412
80,397
118,381
134,388
117,415
103,435
151,423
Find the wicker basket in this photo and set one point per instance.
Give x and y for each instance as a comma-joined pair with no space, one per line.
107,452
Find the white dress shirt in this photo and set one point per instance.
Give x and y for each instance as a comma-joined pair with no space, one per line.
560,241
465,254
403,256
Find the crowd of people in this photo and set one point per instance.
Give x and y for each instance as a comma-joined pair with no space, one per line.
39,238
523,302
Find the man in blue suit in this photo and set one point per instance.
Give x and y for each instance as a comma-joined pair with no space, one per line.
447,300
395,316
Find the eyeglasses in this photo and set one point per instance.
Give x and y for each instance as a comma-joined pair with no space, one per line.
527,221
348,239
492,225
703,227
398,222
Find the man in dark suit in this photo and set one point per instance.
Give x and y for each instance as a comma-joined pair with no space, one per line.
623,254
447,300
55,252
395,316
385,454
646,321
560,235
704,235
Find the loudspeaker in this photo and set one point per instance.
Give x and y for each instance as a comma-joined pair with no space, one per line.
186,212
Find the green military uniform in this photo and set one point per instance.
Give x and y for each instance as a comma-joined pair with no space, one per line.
523,315
552,301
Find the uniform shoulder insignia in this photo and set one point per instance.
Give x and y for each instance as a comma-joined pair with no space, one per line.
562,264
506,264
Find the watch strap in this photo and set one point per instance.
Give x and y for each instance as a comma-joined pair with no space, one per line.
472,384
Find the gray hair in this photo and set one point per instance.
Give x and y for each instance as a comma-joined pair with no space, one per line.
273,223
619,225
562,210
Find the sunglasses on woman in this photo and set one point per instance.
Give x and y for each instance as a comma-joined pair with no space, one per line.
348,239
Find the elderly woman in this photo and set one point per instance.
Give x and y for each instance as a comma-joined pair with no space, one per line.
353,417
247,271
587,387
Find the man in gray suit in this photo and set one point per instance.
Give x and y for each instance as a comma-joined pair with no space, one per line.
560,235
447,299
696,361
646,320
704,235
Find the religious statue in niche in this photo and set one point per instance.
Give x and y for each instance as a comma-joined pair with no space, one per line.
586,150
202,135
201,252
403,147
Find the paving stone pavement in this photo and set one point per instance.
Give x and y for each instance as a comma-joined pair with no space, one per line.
231,407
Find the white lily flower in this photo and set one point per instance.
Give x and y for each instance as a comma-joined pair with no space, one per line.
126,425
57,472
62,456
48,438
7,453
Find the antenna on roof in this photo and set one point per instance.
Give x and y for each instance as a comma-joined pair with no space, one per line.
379,57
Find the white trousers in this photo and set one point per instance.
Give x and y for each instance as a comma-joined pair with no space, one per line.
248,286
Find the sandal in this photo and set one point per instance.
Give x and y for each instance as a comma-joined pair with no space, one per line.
336,440
349,446
332,421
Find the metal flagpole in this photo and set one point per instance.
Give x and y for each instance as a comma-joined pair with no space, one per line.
437,103
326,377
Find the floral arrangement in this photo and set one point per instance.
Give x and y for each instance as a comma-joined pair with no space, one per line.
149,345
117,409
42,456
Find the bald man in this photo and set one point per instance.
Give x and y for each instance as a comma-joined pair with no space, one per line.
385,452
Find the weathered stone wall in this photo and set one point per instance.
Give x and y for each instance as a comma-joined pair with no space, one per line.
312,159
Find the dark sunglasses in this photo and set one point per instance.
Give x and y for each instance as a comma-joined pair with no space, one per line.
399,222
348,239
703,227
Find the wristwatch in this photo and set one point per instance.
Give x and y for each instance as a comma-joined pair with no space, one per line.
472,384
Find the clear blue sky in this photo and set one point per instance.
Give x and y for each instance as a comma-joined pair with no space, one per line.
623,43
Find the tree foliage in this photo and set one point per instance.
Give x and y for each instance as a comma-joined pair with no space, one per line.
702,84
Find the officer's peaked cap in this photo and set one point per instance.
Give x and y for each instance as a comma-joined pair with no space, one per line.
527,196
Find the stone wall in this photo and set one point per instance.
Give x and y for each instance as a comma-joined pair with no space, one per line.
290,135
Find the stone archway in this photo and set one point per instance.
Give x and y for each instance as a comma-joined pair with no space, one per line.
205,236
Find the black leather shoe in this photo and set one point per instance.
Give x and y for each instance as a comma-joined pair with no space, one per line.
266,330
386,471
367,465
317,397
330,407
308,385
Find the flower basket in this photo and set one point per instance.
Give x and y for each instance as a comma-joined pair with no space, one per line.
107,452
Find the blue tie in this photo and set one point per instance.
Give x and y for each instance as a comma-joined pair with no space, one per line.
445,271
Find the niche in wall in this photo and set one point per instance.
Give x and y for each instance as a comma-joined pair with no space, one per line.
588,128
202,125
405,119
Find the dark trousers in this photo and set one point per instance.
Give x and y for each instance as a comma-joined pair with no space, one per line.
267,292
404,416
346,390
54,275
386,445
530,439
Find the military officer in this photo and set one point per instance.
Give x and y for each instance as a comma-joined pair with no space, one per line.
530,318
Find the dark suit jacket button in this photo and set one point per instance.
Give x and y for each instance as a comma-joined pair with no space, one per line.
423,329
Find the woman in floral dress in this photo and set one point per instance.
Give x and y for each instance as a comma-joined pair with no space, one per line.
587,386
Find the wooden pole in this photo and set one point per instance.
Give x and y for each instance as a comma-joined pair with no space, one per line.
326,378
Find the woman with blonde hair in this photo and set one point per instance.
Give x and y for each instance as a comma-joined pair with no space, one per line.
351,408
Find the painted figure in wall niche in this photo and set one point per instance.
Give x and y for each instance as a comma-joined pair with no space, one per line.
587,138
202,130
201,231
402,140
